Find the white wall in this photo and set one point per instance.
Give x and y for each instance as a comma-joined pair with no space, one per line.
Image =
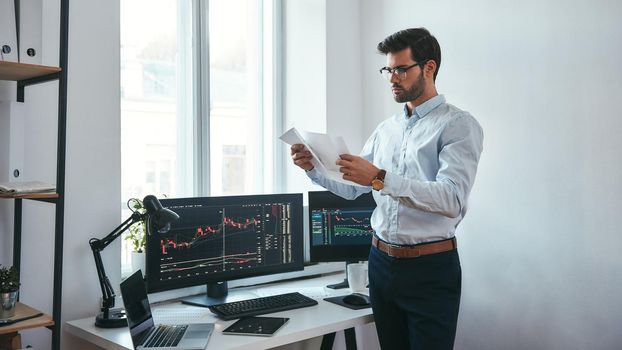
93,154
539,246
322,81
343,79
304,77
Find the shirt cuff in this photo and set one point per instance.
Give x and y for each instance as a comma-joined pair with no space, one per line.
392,183
313,174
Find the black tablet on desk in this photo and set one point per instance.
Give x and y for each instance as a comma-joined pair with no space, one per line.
262,326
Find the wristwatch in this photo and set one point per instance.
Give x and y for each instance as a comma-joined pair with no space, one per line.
378,182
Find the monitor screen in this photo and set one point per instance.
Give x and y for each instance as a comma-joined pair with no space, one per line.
224,238
339,228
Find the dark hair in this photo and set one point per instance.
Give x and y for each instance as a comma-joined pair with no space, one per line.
423,46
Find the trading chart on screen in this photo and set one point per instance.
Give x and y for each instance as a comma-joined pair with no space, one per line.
211,239
331,226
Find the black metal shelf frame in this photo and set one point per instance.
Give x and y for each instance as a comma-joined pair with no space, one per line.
21,84
60,170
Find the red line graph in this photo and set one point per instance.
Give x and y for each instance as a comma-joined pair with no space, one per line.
200,232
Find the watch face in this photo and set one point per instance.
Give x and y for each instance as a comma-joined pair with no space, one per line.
377,184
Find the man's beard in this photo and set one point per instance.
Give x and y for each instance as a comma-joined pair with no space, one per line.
413,93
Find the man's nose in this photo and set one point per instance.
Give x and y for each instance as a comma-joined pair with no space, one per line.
394,78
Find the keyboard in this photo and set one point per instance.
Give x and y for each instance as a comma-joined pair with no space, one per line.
263,305
166,336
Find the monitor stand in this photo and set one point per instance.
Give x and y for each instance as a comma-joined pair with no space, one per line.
217,293
344,283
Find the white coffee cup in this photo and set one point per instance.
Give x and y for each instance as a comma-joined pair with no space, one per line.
357,277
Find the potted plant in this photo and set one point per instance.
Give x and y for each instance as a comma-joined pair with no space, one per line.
9,289
137,236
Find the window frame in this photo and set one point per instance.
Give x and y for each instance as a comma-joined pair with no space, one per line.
194,156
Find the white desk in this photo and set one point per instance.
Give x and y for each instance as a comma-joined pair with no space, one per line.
304,323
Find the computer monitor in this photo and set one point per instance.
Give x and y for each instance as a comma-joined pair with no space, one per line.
218,239
339,229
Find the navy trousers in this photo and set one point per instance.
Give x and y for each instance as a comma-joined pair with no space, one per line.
415,300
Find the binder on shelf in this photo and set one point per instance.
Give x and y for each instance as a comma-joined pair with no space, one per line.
11,140
30,31
8,31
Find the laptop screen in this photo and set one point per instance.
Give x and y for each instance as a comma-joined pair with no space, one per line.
134,294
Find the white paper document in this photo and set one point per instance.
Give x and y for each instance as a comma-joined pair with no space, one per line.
324,149
18,187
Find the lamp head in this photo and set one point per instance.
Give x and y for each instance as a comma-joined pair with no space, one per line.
158,218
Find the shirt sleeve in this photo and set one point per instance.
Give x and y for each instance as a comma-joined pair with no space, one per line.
460,150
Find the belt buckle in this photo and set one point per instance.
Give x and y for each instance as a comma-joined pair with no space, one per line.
392,248
417,252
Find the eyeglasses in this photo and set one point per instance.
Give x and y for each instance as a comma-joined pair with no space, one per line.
399,71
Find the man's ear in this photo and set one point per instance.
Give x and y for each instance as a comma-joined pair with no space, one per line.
429,68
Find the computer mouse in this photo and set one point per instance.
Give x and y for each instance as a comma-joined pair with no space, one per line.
356,299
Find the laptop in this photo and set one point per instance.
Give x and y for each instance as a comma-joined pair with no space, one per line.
147,335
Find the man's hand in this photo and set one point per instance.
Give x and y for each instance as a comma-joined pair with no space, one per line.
357,169
301,156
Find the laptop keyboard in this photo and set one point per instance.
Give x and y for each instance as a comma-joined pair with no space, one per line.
165,336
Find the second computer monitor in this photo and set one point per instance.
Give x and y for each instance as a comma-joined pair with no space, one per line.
340,229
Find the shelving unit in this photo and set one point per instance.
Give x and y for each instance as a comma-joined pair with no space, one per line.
22,310
21,71
30,196
26,75
9,336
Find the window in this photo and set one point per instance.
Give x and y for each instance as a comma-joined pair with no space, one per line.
197,98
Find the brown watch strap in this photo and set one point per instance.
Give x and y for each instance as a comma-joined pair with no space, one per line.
381,174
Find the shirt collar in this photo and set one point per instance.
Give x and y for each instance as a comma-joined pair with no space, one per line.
423,109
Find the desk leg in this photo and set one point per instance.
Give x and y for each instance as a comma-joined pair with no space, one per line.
350,338
327,341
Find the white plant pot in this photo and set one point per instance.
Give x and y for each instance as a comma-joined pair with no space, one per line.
7,304
138,262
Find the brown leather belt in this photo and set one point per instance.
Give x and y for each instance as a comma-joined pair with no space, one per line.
413,251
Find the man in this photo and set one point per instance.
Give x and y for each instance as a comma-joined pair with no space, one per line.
421,166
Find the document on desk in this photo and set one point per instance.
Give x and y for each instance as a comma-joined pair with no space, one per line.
324,149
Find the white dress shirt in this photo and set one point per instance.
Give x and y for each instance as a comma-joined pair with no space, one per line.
431,159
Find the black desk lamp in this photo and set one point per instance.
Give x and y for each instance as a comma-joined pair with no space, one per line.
157,219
